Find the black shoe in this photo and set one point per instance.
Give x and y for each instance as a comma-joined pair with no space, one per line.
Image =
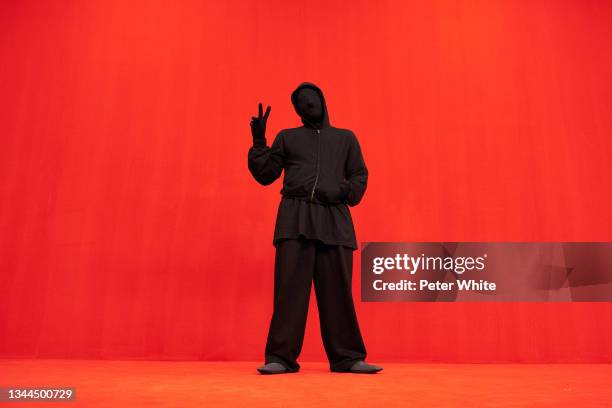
272,368
361,367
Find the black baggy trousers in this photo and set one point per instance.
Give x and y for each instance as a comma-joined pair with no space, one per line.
297,263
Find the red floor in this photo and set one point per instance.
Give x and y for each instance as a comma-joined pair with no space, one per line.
101,383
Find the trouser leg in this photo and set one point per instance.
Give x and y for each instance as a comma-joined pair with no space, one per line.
293,273
338,319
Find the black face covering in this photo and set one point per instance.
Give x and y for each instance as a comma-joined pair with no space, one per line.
309,106
309,103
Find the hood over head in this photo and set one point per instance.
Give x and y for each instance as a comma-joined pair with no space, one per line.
325,118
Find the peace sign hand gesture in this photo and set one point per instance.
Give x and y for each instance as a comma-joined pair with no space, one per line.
258,125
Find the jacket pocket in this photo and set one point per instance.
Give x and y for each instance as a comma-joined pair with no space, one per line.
329,191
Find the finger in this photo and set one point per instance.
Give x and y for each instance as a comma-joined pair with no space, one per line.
253,117
267,112
260,109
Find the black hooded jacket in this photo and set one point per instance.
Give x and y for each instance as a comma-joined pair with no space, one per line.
324,174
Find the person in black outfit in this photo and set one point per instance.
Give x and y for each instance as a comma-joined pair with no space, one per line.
314,234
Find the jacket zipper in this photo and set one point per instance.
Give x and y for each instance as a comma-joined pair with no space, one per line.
318,154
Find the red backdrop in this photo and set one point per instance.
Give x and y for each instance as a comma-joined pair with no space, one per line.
131,227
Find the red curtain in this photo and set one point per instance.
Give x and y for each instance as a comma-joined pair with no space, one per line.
131,227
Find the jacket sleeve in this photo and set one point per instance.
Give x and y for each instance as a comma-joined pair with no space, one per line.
354,187
266,163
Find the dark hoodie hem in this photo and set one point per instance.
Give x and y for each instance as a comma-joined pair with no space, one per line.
300,235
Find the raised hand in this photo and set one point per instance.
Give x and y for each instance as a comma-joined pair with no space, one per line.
258,125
